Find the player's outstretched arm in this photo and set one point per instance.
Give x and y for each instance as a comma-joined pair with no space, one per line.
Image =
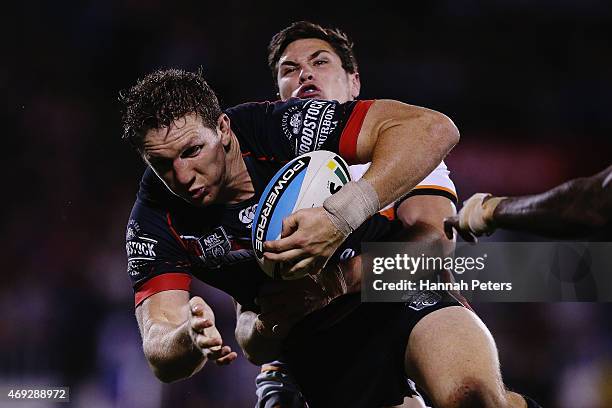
404,143
576,208
179,335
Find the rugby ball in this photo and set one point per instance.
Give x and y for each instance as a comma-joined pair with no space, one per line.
304,182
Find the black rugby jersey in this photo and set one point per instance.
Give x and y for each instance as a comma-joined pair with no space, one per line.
168,241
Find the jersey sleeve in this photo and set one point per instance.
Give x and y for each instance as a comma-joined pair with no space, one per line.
284,130
157,260
438,182
347,143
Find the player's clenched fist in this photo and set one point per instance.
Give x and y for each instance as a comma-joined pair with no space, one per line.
205,335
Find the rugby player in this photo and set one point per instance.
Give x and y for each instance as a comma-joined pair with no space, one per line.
577,208
302,69
191,218
308,61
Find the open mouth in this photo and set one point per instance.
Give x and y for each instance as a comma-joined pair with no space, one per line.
198,193
308,91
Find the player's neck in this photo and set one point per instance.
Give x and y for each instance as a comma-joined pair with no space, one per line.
238,186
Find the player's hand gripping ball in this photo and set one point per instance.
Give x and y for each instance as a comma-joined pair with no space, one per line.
304,182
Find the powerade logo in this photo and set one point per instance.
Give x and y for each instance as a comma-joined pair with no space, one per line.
271,200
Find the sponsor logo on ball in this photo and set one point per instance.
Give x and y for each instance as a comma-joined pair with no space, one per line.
272,199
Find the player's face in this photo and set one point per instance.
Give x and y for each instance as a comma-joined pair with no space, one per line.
309,68
189,158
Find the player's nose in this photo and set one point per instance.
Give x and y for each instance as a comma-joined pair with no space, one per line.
183,173
306,75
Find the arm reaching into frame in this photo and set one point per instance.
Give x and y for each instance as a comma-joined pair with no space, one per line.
576,208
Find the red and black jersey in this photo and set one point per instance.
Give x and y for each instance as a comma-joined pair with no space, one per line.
168,241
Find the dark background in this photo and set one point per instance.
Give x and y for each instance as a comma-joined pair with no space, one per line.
527,84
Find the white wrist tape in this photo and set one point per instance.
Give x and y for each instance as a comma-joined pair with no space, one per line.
352,205
476,215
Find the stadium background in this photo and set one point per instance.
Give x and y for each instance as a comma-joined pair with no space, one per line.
528,84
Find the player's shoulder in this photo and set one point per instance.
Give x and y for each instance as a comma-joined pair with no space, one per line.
248,108
280,106
285,129
251,110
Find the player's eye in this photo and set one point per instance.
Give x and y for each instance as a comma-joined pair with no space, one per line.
320,62
191,151
287,71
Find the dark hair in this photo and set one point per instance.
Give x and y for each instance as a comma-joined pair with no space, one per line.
299,30
164,96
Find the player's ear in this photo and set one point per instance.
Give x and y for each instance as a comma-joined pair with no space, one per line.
224,130
355,84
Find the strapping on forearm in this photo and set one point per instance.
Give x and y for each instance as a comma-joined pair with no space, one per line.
352,205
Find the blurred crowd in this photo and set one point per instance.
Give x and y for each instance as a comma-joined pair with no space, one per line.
527,84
